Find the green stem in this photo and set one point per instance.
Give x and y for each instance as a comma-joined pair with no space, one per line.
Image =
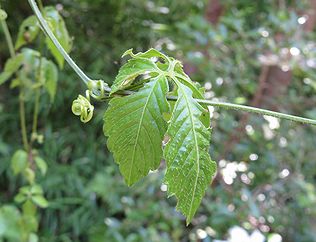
8,37
253,110
50,34
35,114
22,121
21,98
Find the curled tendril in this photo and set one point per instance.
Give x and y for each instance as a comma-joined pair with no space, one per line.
97,89
83,108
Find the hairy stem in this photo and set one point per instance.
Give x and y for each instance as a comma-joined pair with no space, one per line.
81,74
258,111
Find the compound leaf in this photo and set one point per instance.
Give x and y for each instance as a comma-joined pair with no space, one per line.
135,128
189,166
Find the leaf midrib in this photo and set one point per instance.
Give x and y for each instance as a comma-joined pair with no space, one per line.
196,144
139,128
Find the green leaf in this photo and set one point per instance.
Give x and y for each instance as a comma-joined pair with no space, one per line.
132,69
29,175
10,223
40,201
135,127
11,66
19,161
20,198
189,167
59,29
28,31
41,164
33,238
29,208
148,54
49,74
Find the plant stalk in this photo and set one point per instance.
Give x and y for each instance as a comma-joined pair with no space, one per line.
8,37
86,80
50,34
21,98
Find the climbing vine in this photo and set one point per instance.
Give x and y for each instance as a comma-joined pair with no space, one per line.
156,112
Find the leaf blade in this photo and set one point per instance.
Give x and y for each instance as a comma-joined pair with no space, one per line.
140,117
186,154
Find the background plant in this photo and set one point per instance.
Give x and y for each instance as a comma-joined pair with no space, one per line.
266,166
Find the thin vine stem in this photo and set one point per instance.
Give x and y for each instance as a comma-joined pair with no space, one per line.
39,74
21,95
55,41
22,121
86,80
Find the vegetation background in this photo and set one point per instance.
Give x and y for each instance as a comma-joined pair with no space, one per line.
261,53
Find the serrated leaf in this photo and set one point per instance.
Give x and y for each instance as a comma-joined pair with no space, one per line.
197,91
49,74
132,69
135,127
19,161
10,67
41,165
59,29
28,31
148,54
189,166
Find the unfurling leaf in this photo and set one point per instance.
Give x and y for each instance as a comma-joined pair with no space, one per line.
189,166
135,127
130,71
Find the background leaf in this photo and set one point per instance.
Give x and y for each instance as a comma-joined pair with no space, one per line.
11,66
50,77
28,31
19,161
59,29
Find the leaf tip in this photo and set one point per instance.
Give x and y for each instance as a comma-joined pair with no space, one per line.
128,52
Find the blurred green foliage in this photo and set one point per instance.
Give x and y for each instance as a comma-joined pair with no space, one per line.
266,178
